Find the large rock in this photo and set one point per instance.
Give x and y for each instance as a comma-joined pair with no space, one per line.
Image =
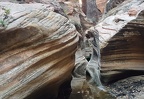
37,50
124,54
109,27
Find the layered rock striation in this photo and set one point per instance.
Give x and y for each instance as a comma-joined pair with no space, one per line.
124,54
37,50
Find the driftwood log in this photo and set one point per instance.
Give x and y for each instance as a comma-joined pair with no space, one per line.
37,49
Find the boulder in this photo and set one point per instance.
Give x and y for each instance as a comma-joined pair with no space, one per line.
124,54
121,41
37,50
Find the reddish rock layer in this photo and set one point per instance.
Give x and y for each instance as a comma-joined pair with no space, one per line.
101,4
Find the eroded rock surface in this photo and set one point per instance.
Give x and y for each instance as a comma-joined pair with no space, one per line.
124,53
37,50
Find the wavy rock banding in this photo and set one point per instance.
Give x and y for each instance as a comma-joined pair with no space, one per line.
37,49
124,54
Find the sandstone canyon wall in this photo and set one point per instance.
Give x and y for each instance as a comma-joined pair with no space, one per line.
37,49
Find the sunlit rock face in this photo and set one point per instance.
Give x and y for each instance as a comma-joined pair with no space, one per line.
37,50
101,4
52,4
124,54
